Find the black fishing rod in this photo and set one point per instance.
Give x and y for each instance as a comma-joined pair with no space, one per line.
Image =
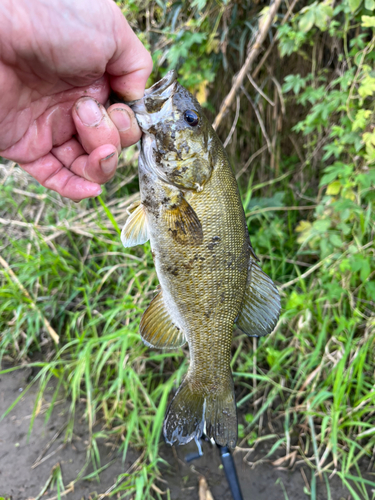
228,465
230,472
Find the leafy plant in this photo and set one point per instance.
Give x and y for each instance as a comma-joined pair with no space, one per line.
303,149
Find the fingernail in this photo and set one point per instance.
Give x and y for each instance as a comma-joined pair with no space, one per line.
109,163
121,119
89,112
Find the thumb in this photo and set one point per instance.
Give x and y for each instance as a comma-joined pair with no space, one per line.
131,65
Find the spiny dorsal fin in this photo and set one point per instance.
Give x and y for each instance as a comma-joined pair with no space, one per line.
135,230
157,328
261,304
183,224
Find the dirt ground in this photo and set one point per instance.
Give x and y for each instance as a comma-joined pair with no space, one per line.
22,477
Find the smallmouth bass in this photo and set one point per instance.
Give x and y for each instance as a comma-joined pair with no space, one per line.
191,212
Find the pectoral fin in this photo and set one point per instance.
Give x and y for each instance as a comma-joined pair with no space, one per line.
183,224
157,328
135,230
261,304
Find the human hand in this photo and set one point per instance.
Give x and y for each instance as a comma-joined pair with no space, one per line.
52,54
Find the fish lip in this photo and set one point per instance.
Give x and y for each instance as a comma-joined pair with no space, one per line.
161,91
156,102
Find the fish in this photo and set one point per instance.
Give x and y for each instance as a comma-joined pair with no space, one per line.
191,212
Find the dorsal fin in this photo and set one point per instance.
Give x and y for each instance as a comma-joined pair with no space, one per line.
157,328
260,308
135,230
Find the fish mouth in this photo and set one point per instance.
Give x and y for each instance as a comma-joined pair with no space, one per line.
154,104
153,98
162,87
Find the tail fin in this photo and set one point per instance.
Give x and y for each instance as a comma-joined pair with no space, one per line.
193,412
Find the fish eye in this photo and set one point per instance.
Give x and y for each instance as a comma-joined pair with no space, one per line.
191,117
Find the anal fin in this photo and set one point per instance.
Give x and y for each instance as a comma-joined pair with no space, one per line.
260,308
135,230
157,328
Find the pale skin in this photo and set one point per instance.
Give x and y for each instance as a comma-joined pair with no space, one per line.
58,63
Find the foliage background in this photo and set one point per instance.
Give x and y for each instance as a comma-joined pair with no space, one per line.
301,139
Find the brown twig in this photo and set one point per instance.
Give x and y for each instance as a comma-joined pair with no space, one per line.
60,447
261,123
8,174
282,209
10,271
204,492
259,90
280,93
307,273
316,266
128,471
252,157
260,37
269,50
290,261
70,489
38,461
234,122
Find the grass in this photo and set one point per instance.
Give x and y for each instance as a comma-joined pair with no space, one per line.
307,389
93,294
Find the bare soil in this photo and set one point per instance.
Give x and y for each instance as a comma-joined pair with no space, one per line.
20,479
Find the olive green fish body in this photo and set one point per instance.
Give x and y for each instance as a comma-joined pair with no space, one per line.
203,284
191,208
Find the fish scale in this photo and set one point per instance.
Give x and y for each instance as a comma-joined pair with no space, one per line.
191,211
208,320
